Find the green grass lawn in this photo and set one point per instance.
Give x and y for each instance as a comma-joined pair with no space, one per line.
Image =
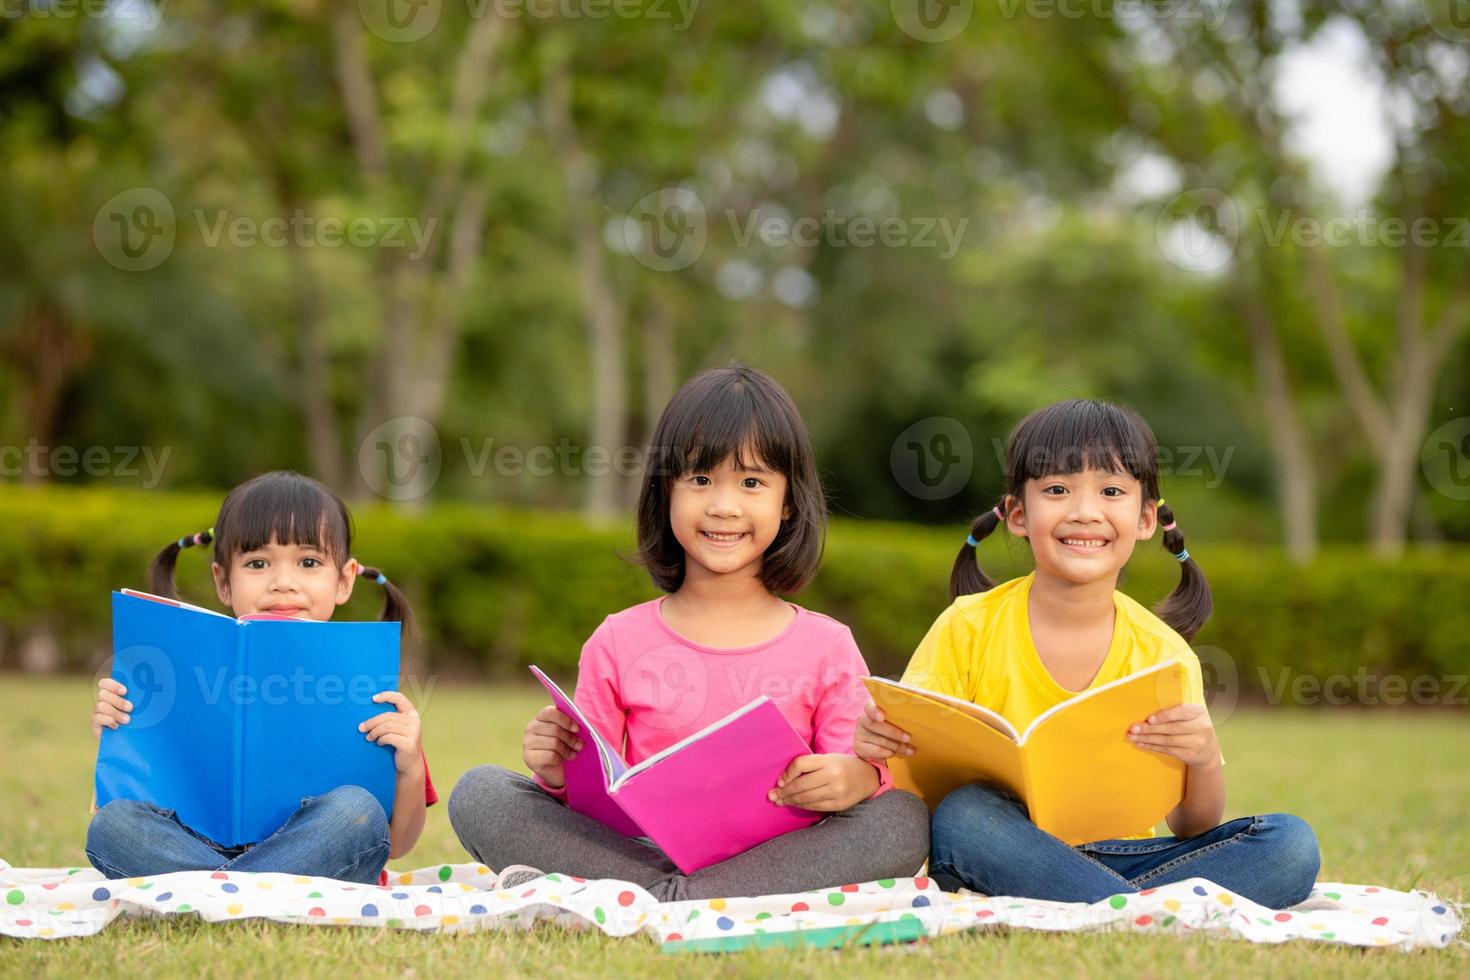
1387,792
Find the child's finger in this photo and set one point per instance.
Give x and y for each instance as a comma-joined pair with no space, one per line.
883,728
377,720
115,700
799,765
873,712
386,728
100,720
108,684
555,716
394,698
547,729
1167,728
887,745
1180,712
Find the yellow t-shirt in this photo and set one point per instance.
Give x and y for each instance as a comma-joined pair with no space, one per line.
980,649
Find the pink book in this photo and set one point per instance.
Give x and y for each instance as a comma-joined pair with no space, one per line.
701,800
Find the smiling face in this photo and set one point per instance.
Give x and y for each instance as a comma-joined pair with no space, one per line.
725,518
1083,526
297,580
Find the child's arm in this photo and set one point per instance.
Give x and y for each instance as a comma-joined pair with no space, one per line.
832,778
403,730
1186,732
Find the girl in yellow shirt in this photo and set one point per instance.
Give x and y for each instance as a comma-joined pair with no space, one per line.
1082,486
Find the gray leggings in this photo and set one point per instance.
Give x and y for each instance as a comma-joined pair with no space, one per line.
504,818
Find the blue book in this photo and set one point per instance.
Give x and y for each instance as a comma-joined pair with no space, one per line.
234,721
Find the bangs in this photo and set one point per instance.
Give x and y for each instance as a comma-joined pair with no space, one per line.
287,507
731,421
1073,436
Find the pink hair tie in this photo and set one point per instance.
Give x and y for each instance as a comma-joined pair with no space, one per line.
998,515
1170,526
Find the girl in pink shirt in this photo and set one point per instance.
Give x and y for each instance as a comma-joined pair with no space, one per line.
730,518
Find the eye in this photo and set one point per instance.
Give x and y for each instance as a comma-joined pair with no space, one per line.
1055,486
1114,491
699,480
310,562
255,564
752,483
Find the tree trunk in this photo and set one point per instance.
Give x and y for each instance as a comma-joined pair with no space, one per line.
603,312
1296,483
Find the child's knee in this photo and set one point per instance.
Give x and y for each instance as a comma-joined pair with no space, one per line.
908,820
117,820
355,810
966,810
1295,854
482,802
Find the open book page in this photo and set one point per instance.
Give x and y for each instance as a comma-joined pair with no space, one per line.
1166,685
679,746
613,765
887,693
177,603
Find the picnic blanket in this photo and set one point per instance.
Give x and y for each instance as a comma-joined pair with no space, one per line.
55,903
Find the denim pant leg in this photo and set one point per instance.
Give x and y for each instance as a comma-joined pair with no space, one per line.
982,839
130,839
342,834
1271,860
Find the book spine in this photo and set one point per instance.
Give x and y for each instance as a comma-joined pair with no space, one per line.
237,713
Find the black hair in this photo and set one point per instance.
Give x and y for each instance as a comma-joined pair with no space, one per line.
1071,436
738,412
291,509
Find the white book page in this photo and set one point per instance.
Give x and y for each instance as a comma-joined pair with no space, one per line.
173,602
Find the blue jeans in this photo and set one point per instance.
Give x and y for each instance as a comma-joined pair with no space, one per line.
982,839
341,834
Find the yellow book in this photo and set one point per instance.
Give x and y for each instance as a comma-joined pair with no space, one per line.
1080,777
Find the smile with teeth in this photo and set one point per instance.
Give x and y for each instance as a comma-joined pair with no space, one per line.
722,537
1084,542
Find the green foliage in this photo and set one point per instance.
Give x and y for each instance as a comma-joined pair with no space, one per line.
497,589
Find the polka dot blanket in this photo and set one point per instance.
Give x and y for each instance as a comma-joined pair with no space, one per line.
54,903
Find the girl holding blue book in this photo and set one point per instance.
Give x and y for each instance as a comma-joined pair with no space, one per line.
282,547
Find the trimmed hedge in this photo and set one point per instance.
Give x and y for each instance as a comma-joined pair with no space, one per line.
497,589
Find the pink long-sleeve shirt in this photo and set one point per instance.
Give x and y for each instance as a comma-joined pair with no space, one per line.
645,687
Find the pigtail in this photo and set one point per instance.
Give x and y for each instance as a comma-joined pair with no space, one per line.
395,605
161,569
1188,607
967,578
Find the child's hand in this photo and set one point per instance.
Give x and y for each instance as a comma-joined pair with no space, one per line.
550,738
112,708
401,728
825,782
1183,731
875,739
